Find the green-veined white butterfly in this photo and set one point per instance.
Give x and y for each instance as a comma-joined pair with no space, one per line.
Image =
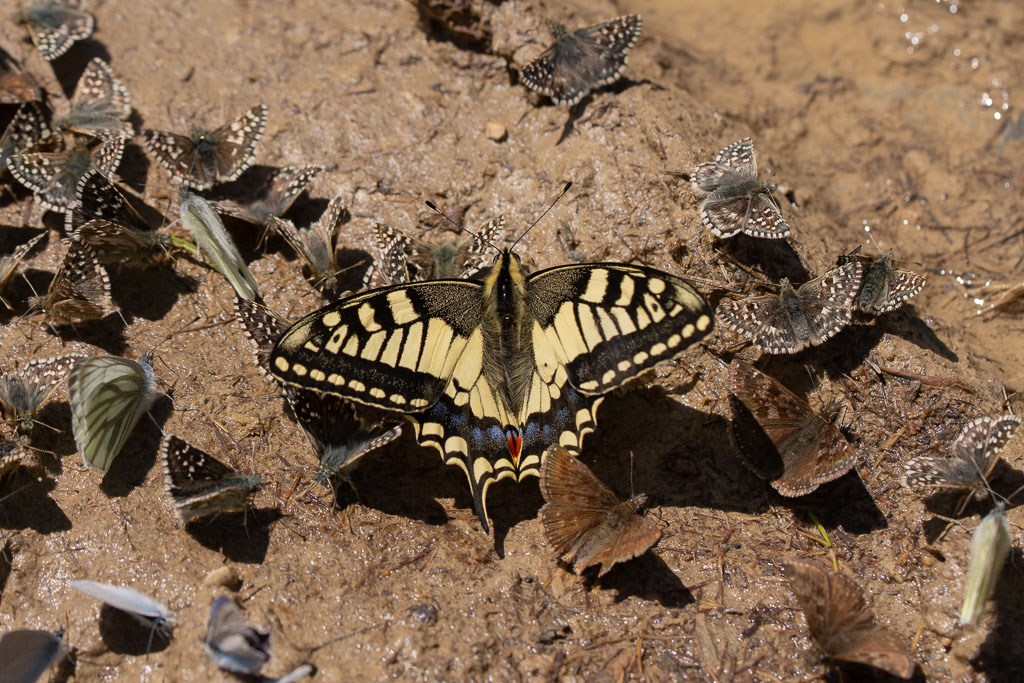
206,227
108,396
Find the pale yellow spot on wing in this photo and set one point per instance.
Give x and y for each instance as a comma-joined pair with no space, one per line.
597,285
335,378
432,428
655,309
590,385
642,319
626,323
568,332
608,329
331,319
583,417
456,444
608,377
401,307
356,385
310,346
640,358
419,403
335,341
281,364
481,468
351,346
394,345
546,357
411,350
656,285
376,392
373,345
591,333
703,322
527,466
568,440
366,313
317,375
299,369
624,365
658,349
397,399
627,288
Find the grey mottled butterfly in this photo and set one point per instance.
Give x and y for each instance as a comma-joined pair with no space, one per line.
795,319
583,60
9,264
79,291
22,393
318,245
56,25
199,484
282,189
884,287
404,258
232,643
974,455
27,127
52,170
216,244
840,621
101,105
735,200
206,158
108,396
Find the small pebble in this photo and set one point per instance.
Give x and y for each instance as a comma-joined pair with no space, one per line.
495,131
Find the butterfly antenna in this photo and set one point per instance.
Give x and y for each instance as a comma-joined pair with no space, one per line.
462,228
540,217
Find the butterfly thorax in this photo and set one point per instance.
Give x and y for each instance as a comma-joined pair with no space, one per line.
738,183
508,346
875,288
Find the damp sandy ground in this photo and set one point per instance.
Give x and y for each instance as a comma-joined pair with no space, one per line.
901,119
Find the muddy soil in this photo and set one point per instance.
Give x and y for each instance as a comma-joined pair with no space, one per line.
888,126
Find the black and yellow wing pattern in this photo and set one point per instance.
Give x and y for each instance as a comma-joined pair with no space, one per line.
493,372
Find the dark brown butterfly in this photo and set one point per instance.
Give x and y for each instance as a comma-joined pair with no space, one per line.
16,84
780,438
584,521
840,621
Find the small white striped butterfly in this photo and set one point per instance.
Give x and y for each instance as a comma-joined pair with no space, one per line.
216,244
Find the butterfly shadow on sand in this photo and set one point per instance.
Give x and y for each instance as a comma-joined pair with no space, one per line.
241,536
126,634
25,503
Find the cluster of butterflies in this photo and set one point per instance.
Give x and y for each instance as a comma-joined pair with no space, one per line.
500,370
231,642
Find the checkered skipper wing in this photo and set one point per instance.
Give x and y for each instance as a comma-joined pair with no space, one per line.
885,287
581,61
205,159
826,301
737,159
755,318
262,326
55,25
101,104
22,393
54,176
100,198
9,264
479,252
26,128
201,485
283,188
80,290
982,440
391,245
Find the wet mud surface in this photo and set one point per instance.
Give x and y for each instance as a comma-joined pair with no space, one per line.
872,118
